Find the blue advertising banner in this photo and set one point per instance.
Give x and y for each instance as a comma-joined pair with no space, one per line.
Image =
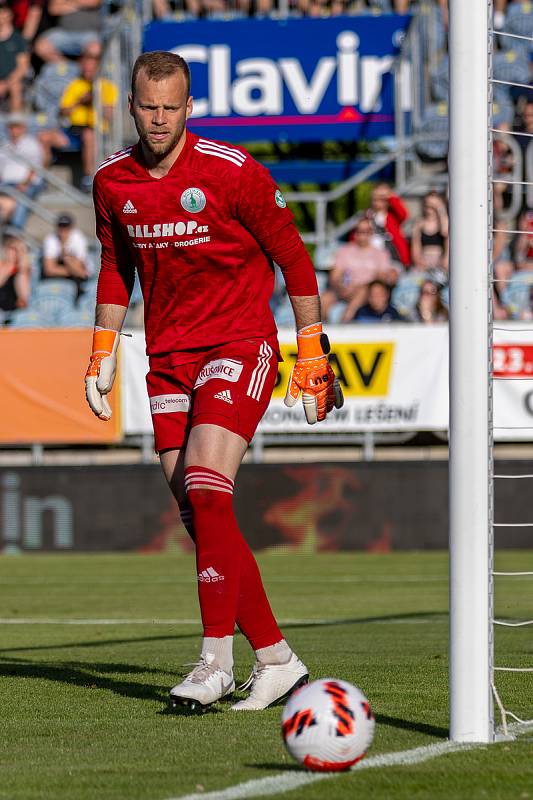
288,80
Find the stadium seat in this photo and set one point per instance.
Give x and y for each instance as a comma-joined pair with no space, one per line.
53,298
512,66
407,291
77,318
440,81
516,295
29,318
434,123
49,86
519,21
87,300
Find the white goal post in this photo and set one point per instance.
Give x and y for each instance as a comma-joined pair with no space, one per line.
470,504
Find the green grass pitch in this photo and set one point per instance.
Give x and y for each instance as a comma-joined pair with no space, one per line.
83,706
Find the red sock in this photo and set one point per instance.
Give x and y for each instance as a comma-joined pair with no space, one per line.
221,549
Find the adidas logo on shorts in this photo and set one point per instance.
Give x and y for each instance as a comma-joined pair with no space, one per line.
225,395
210,575
129,208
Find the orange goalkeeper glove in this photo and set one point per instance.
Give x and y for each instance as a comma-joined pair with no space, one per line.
313,376
101,371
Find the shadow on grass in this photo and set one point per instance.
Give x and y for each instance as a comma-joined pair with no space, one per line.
92,676
277,766
88,676
102,642
409,725
414,616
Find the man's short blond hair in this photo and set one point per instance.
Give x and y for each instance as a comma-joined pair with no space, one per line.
158,65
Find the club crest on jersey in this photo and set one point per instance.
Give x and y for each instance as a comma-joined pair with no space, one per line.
280,200
193,200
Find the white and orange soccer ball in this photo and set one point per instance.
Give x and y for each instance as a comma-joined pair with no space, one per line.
328,725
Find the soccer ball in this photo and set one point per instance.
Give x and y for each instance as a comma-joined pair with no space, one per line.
327,725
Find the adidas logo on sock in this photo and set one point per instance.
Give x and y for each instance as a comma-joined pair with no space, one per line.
225,395
210,575
129,208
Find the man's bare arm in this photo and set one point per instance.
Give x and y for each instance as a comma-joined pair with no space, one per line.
110,316
306,310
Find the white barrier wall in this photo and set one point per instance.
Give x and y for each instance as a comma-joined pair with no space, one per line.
394,377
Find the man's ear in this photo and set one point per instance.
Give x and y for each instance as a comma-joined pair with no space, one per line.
189,107
130,104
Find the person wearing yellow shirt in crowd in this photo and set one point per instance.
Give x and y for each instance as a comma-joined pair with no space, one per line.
77,107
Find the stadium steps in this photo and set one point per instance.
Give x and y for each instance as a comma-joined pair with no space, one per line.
56,202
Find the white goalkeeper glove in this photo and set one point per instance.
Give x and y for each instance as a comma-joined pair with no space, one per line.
101,371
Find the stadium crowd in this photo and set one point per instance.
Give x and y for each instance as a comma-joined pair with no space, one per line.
393,265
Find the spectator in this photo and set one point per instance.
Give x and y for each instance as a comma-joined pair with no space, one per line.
19,174
388,213
430,307
503,266
525,126
15,273
79,23
14,61
429,239
174,9
65,253
524,244
27,16
499,311
500,7
77,106
378,307
357,264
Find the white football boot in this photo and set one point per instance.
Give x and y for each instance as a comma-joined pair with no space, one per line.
271,683
204,685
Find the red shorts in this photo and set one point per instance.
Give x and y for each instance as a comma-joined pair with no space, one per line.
229,386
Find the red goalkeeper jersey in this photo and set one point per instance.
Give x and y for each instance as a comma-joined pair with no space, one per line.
203,239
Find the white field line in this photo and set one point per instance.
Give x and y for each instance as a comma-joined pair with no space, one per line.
23,581
283,782
287,782
125,621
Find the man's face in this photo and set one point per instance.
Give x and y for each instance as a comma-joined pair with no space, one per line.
6,15
63,232
363,232
160,110
528,117
378,298
90,62
16,131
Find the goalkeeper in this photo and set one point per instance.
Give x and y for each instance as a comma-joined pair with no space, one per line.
202,223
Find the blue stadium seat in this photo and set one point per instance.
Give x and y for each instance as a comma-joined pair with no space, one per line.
407,291
29,318
434,123
440,81
48,88
519,21
513,66
516,297
87,300
54,297
77,318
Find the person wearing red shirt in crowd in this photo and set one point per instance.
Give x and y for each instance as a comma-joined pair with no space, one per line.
27,15
202,222
388,214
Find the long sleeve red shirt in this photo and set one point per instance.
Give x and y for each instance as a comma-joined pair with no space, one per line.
203,239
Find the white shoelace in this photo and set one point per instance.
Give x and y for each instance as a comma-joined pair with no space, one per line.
201,671
255,675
